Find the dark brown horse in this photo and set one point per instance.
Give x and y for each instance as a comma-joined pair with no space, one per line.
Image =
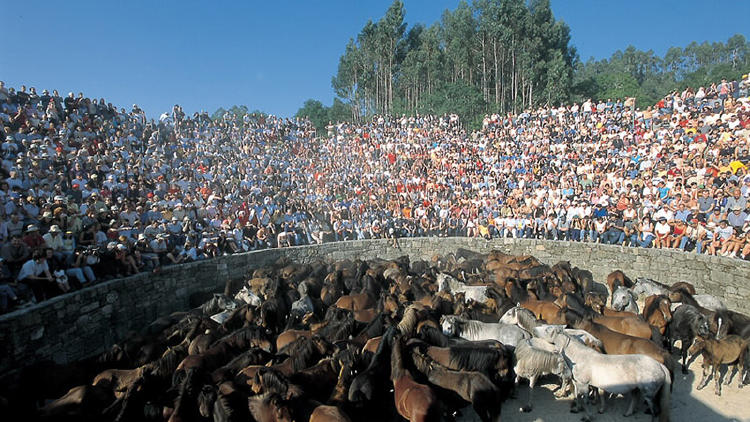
473,387
415,402
732,350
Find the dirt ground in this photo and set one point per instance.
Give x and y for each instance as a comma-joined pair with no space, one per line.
688,404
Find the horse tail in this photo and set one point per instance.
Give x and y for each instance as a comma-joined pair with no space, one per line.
664,397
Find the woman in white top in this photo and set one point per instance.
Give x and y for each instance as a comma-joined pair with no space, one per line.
644,234
662,229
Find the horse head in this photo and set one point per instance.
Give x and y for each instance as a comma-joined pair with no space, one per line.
449,325
206,399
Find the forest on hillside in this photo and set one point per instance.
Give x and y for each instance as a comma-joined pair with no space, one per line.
499,56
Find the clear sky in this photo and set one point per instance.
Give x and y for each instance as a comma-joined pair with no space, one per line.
274,55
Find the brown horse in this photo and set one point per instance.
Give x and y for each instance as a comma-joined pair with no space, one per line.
731,350
632,326
546,310
356,302
269,408
657,312
117,381
615,343
325,413
606,311
414,401
616,279
473,387
289,336
493,361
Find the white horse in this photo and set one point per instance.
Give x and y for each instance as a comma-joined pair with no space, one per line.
526,320
616,374
623,299
710,302
645,287
447,283
534,358
468,329
247,296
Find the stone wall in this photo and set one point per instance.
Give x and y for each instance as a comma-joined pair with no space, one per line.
84,323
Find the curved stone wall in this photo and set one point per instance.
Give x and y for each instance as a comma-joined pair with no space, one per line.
81,324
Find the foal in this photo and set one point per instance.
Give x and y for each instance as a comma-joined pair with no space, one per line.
732,350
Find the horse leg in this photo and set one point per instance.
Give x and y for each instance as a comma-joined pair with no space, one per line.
704,378
602,402
684,351
730,374
717,375
532,381
563,390
631,406
741,371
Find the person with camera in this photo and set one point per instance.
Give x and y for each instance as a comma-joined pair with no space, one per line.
83,260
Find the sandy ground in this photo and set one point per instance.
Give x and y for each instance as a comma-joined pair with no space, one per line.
688,404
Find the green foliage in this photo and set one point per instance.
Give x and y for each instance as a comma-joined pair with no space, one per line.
458,97
236,111
501,56
316,112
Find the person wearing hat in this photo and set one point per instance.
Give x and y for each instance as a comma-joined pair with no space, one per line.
662,229
33,239
54,240
736,217
145,254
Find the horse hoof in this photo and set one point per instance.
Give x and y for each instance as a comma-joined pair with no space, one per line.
718,393
700,387
684,371
741,385
525,409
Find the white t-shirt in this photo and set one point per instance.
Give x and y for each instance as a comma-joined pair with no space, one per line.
662,228
32,269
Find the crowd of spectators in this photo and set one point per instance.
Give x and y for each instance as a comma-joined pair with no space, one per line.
91,192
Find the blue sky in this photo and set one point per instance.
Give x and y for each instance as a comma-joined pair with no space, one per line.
274,55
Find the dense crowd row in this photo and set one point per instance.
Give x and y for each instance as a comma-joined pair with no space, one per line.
90,191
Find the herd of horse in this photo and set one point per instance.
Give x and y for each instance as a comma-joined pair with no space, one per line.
389,339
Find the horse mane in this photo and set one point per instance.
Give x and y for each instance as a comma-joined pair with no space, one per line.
273,381
167,364
300,352
653,306
397,360
409,320
473,358
468,326
375,327
422,362
686,297
433,336
526,319
535,359
243,335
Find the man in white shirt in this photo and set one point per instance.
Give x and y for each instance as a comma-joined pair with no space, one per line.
35,273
